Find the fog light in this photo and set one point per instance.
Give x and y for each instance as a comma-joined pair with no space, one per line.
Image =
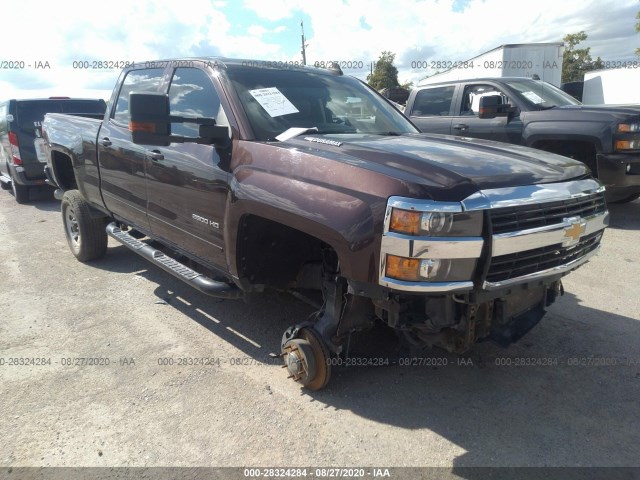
628,168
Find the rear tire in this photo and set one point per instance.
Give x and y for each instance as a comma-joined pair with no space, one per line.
86,234
20,192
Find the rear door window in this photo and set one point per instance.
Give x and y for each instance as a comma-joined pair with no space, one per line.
140,81
433,101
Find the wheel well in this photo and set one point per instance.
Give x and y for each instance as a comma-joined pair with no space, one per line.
583,151
270,253
63,171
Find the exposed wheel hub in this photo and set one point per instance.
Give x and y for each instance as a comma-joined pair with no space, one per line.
307,359
300,360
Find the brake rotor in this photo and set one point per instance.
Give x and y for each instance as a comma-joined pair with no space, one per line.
307,359
322,359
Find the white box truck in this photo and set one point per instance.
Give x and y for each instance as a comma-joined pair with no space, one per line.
612,86
512,60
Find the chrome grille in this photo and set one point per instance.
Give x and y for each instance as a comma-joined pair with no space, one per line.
519,264
525,217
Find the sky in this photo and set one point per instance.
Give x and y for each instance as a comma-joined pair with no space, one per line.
47,46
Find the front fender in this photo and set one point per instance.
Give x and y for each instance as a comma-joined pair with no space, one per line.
295,192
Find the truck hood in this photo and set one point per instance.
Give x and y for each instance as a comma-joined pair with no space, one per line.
588,113
442,162
611,109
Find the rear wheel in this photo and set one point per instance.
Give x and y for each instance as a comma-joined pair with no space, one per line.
20,192
86,234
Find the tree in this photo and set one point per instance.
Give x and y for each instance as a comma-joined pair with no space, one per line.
576,61
385,74
638,30
407,85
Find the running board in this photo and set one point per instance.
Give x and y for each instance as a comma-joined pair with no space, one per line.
196,280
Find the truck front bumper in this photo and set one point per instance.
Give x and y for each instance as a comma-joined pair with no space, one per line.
619,170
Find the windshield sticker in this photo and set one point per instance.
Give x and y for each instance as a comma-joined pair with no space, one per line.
273,101
535,98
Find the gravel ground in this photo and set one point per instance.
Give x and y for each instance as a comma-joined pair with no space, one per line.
242,411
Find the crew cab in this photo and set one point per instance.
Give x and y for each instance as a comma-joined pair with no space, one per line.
260,175
536,114
22,154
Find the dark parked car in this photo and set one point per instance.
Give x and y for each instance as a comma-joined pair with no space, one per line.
536,114
22,157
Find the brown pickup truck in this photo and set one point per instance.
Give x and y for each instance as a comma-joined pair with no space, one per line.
264,175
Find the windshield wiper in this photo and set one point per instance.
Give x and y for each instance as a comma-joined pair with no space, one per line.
548,108
386,134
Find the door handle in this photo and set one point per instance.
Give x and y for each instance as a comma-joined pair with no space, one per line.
155,155
460,126
105,142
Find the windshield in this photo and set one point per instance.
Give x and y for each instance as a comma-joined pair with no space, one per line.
277,100
541,94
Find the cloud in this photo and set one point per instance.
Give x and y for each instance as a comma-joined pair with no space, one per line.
347,30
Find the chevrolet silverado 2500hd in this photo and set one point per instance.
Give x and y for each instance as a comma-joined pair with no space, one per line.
261,175
534,113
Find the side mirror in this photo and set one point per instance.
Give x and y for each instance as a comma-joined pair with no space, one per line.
491,106
150,123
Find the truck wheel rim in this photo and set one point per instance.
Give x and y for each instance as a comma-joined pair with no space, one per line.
73,230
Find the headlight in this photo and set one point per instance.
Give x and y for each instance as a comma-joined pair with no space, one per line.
435,224
429,269
628,127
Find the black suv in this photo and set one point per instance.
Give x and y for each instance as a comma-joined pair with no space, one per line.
22,158
536,114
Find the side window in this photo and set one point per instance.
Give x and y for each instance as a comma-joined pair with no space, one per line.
147,80
192,94
472,95
433,101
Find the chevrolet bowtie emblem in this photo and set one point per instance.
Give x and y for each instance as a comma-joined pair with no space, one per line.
573,230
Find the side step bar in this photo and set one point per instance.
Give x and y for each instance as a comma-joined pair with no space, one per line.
196,280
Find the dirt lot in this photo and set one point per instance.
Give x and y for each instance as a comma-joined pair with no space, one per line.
576,406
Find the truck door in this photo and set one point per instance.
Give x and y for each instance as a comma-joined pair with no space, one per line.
467,124
432,109
121,161
186,182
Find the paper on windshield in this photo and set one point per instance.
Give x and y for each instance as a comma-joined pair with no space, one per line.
293,132
273,101
535,98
